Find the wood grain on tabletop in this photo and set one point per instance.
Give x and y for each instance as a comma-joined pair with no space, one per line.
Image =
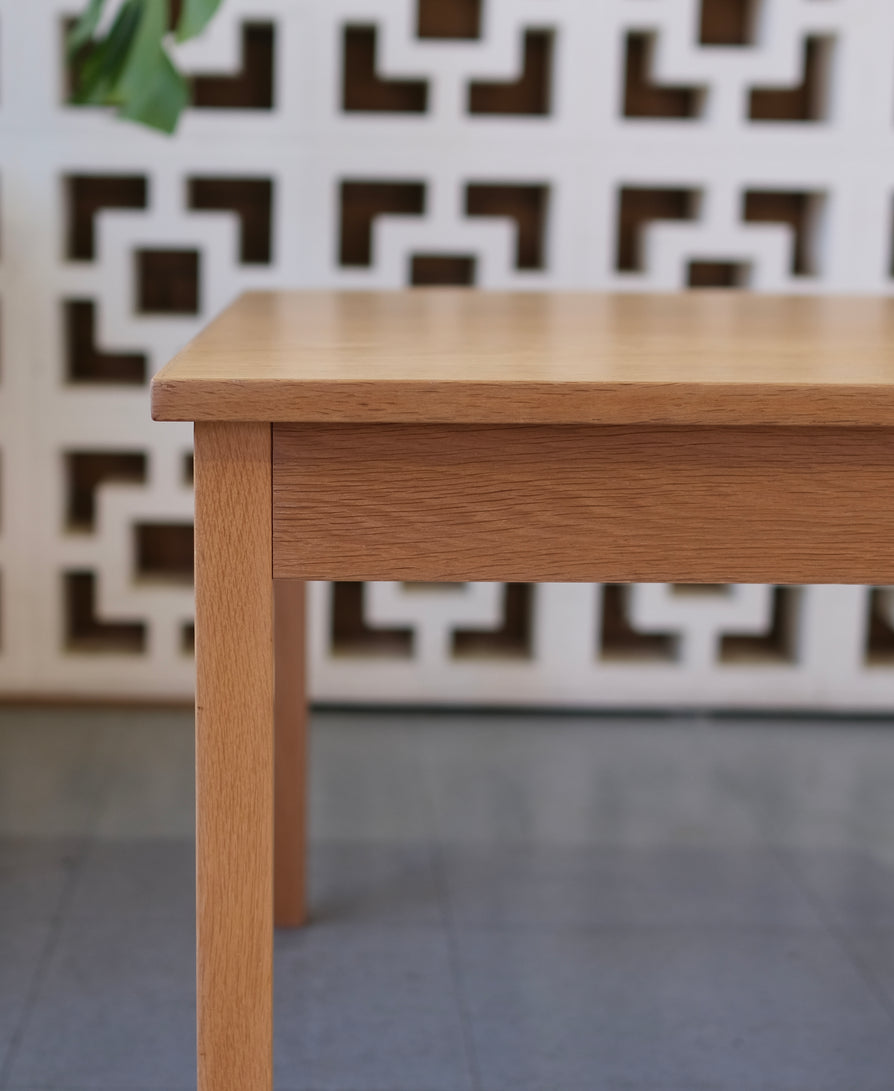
454,355
575,502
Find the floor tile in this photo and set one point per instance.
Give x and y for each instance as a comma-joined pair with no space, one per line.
35,873
849,887
151,774
503,887
680,781
367,1008
674,1009
135,879
51,783
633,904
373,884
583,780
22,944
872,949
367,783
117,999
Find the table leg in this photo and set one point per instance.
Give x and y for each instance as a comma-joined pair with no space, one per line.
290,778
234,757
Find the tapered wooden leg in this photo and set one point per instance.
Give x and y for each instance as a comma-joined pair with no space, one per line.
234,757
290,825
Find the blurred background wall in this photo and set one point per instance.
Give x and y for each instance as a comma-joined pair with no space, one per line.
506,144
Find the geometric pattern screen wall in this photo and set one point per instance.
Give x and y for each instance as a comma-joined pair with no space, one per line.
628,145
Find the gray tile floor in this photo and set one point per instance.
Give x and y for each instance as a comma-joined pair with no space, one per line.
502,903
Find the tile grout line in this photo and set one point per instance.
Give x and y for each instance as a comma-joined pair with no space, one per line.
439,875
57,919
455,968
834,932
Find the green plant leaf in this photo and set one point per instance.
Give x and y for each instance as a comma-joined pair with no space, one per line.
161,97
102,69
129,66
85,27
144,57
194,17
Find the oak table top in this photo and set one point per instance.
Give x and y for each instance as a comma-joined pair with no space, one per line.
449,435
458,356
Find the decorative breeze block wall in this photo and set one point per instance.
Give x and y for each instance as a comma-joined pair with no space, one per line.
633,145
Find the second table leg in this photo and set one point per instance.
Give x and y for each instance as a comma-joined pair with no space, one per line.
290,824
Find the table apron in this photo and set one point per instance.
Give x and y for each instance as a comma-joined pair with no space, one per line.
546,503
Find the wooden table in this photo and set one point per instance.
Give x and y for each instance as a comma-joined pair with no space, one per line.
449,435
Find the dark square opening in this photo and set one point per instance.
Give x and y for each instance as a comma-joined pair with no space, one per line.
168,281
